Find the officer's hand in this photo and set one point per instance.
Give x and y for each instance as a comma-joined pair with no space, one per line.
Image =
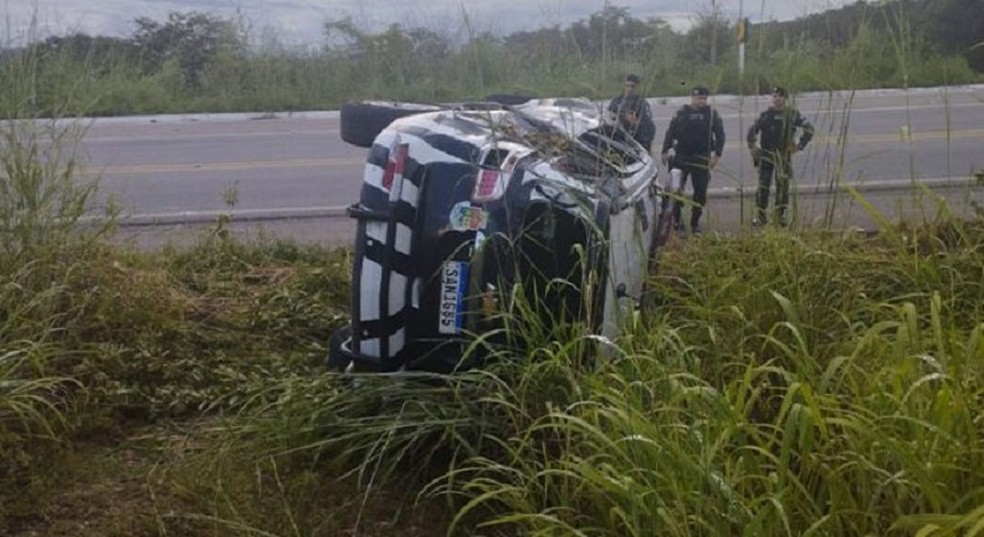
665,158
755,156
793,149
713,162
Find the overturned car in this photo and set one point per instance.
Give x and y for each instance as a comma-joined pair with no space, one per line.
461,205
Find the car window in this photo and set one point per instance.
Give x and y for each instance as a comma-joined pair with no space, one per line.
600,152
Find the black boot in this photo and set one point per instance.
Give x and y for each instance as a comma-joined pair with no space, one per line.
760,220
695,221
781,219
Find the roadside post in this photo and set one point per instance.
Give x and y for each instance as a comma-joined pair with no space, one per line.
742,37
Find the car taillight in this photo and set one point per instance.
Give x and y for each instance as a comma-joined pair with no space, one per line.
490,185
393,175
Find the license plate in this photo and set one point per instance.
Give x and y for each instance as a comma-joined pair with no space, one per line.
454,282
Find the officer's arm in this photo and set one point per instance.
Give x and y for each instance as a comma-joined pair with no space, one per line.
647,133
647,124
718,128
647,116
669,136
808,130
753,132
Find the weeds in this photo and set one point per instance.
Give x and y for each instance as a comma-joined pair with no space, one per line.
198,62
829,391
789,383
797,384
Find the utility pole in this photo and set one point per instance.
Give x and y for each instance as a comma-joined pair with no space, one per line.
604,44
742,34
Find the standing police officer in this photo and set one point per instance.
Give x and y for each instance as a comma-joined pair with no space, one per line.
778,126
695,131
633,112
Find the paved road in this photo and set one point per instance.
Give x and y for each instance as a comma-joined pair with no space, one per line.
173,168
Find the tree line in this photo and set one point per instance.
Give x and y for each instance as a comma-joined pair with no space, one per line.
197,61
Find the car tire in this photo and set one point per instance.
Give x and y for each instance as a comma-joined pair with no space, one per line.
361,122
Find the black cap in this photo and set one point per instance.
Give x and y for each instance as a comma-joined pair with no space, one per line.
780,91
700,91
632,78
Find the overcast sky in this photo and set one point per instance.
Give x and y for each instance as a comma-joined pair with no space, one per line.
299,22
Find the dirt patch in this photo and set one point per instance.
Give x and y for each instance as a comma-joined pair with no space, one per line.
186,481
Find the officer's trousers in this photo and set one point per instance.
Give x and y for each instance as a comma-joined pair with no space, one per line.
696,168
773,164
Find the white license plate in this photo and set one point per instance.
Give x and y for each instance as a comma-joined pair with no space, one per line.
454,282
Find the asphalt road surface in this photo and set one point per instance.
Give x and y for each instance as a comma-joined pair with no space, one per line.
291,175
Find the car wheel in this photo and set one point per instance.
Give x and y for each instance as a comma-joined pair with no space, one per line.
361,122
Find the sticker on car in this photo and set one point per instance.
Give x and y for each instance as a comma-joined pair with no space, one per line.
454,282
465,217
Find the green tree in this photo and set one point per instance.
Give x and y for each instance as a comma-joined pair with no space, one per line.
405,57
192,40
612,33
958,26
98,54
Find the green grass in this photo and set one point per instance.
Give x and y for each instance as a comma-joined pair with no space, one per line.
802,382
102,76
792,384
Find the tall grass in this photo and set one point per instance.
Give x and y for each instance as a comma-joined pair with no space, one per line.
42,250
109,76
800,384
831,390
791,384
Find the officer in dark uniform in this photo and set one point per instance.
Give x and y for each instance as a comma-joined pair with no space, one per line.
773,156
696,131
633,112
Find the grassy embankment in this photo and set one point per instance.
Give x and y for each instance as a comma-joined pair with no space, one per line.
793,382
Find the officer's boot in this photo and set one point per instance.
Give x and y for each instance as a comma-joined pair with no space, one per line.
760,218
781,219
695,213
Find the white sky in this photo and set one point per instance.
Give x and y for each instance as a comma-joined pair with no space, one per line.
300,22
